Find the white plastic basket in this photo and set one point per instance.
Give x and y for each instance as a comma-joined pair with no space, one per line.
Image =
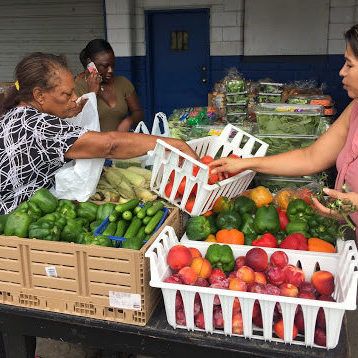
159,119
342,265
168,159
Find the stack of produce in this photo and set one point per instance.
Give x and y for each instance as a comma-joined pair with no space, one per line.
286,127
260,219
270,92
44,217
124,181
196,122
255,272
236,100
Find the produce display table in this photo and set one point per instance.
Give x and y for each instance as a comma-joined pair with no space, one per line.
156,339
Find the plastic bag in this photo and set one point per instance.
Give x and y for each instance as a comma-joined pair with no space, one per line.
77,179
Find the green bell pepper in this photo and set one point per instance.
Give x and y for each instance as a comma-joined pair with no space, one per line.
72,231
86,238
105,210
324,228
299,210
228,220
55,218
88,211
66,208
243,205
94,225
198,228
248,228
44,200
297,227
266,220
3,219
45,229
31,209
212,221
221,256
17,224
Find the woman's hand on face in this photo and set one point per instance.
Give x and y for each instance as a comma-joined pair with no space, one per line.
80,103
94,80
346,198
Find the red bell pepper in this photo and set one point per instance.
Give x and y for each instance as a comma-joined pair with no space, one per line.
282,216
266,240
295,241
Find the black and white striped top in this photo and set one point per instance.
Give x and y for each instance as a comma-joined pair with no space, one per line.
32,147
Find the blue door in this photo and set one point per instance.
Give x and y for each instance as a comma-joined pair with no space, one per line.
178,59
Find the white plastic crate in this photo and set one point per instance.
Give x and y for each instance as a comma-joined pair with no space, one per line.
342,265
168,159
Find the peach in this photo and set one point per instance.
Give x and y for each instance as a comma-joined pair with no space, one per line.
272,290
237,285
178,257
202,267
260,278
237,323
202,282
321,318
299,320
289,290
320,337
256,315
279,330
180,318
257,288
188,275
216,275
246,273
275,275
307,294
195,252
218,319
307,287
173,279
236,307
294,275
240,261
224,284
323,282
279,259
199,320
257,259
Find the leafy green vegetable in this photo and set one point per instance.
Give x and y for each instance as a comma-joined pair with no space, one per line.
279,144
237,98
266,98
235,85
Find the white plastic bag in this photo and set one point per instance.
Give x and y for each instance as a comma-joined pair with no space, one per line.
147,160
77,179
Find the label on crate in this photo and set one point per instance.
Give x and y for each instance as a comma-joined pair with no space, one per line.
124,300
51,271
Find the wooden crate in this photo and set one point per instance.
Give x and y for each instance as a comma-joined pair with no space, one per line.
84,280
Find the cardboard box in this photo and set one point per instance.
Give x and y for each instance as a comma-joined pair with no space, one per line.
83,280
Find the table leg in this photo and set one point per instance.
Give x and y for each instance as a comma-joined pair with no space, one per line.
17,346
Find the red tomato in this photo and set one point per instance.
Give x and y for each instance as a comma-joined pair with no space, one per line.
181,187
168,190
172,176
207,159
195,170
194,190
190,204
213,178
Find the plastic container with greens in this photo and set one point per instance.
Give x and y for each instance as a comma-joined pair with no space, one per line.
236,98
235,85
235,108
285,118
269,98
276,183
279,143
236,118
271,87
321,100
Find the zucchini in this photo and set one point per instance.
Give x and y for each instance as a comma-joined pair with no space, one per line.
129,205
143,211
110,229
146,220
154,221
121,228
158,205
133,228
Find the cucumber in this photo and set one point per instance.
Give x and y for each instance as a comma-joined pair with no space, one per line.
143,211
146,220
137,209
158,205
110,229
127,215
154,221
141,233
114,216
129,205
133,228
121,227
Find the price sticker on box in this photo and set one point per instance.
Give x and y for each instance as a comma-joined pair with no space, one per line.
51,271
131,301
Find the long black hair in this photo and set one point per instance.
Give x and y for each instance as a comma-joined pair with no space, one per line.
35,70
351,37
92,48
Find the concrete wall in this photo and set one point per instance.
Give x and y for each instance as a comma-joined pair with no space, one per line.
126,32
